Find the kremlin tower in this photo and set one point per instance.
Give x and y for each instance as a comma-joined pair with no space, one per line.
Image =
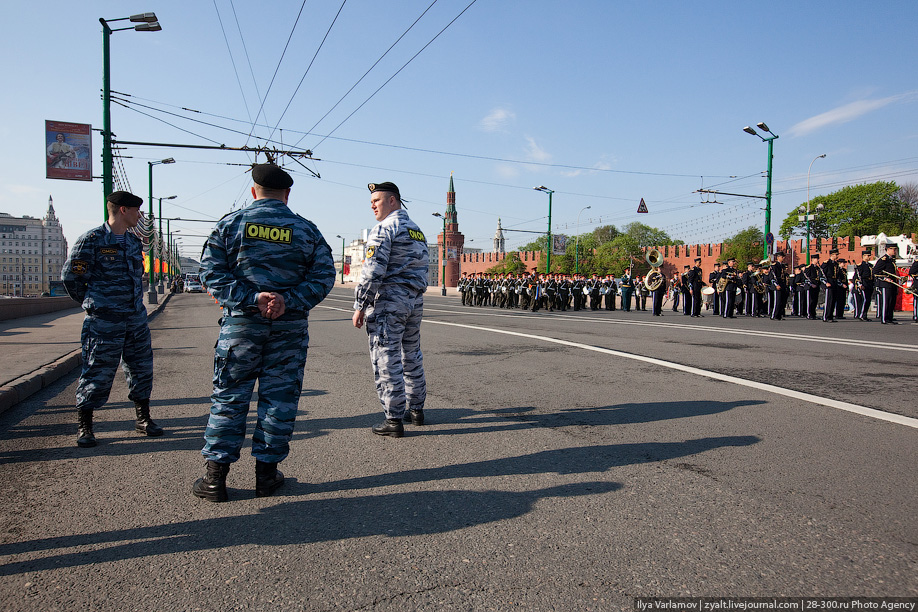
453,240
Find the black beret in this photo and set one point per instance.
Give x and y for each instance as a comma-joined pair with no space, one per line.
731,259
124,198
833,252
697,259
271,176
779,254
814,256
387,186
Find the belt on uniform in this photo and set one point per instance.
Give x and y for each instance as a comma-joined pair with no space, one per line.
112,317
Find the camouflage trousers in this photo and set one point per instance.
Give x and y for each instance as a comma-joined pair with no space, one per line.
106,342
249,350
394,330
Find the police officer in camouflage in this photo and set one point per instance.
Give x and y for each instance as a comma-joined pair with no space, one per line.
389,298
267,267
105,273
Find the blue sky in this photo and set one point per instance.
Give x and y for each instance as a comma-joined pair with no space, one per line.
604,102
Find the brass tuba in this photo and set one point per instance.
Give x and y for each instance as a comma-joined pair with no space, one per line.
654,278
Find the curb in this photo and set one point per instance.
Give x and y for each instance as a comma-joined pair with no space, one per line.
21,388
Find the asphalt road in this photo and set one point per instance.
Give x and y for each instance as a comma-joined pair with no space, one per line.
572,461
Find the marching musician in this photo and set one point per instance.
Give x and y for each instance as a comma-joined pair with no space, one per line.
841,275
611,289
778,280
886,300
695,281
627,287
863,287
657,294
749,279
830,279
729,297
713,277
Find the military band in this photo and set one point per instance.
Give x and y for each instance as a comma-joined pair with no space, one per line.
764,289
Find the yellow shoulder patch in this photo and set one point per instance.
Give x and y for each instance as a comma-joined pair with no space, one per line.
79,267
417,235
371,251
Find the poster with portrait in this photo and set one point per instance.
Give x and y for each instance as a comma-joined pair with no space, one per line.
559,244
68,151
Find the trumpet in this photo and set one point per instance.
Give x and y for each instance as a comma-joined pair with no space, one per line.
895,280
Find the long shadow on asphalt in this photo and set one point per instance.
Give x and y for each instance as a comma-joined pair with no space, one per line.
393,514
526,417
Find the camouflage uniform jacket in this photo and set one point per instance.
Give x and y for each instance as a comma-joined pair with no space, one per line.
396,260
103,275
267,247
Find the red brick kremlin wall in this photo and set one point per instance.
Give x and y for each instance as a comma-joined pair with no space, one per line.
677,256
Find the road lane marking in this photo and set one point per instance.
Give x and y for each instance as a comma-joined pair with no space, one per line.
871,344
806,397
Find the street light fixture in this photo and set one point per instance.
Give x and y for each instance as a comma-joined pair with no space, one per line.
159,287
548,244
770,140
342,257
577,244
147,22
808,206
443,257
151,293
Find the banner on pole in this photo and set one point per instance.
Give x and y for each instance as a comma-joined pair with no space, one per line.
68,151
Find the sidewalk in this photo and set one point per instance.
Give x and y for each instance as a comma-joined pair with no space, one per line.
36,351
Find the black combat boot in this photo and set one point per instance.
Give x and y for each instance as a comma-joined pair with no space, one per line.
415,416
213,486
390,427
145,424
85,437
267,479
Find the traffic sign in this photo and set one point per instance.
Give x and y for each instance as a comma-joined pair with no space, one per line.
642,207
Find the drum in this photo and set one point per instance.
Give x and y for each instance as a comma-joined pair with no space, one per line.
707,291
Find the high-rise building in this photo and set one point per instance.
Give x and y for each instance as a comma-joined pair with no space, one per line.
32,253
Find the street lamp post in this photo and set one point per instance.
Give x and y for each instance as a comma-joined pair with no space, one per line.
342,257
159,211
770,140
151,293
577,243
147,22
808,206
548,243
443,254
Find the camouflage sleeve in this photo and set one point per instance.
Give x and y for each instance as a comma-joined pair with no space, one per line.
318,282
77,271
218,278
379,247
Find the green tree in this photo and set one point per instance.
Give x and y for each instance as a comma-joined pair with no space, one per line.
648,236
604,234
856,210
745,246
616,256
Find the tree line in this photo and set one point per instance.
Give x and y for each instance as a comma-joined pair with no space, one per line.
856,210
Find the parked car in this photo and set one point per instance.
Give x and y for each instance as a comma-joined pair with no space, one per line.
194,286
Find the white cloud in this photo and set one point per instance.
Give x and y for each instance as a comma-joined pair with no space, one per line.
497,120
597,166
847,112
535,153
